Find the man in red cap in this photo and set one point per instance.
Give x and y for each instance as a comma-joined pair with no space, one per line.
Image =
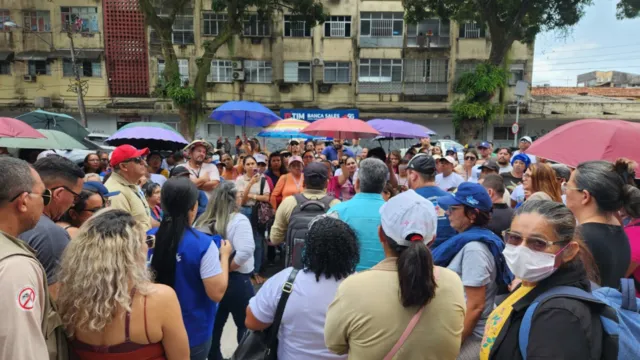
129,165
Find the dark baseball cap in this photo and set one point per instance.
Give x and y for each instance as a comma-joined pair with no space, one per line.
98,187
422,163
179,171
491,164
484,145
315,169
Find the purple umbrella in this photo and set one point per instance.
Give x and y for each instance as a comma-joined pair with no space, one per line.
398,129
155,138
244,113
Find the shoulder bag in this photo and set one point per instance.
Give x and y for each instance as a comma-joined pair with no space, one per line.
263,345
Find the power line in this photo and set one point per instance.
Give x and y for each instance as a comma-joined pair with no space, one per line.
592,49
637,52
583,69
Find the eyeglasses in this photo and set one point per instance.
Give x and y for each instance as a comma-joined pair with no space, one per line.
76,196
472,158
573,188
137,160
46,196
95,210
533,243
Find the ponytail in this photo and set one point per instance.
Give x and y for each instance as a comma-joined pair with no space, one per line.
631,200
415,273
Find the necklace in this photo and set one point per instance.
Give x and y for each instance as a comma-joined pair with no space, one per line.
297,182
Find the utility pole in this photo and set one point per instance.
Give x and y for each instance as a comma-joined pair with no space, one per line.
76,71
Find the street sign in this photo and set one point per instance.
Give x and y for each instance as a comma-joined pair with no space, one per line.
515,128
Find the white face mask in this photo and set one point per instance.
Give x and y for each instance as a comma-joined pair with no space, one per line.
529,265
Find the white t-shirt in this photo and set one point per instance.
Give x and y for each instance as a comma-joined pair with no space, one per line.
451,181
505,169
518,194
209,169
158,179
301,334
402,181
241,184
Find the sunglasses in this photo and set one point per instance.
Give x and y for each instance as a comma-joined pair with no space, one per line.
472,158
46,196
76,196
533,243
137,160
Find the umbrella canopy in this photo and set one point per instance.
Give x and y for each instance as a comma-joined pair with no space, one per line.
341,128
148,124
41,119
14,128
53,140
244,113
285,129
157,138
607,140
398,129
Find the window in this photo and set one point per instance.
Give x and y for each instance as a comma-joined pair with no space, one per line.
182,30
37,21
212,24
337,26
294,27
380,24
380,70
429,32
255,25
39,67
517,73
221,71
87,68
426,71
258,71
337,72
5,68
503,133
82,19
183,70
471,30
297,72
5,15
160,68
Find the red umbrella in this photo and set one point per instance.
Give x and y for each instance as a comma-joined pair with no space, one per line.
341,128
14,128
590,139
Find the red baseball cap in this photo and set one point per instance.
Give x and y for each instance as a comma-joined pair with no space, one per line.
126,152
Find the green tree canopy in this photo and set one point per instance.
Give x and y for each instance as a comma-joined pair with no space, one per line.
628,9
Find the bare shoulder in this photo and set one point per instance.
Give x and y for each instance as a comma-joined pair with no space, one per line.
161,293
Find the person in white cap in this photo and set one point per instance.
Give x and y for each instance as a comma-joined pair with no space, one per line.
368,321
448,179
525,143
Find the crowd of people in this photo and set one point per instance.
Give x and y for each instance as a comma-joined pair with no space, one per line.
400,254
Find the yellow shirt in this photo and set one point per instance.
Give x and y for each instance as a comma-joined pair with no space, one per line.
498,317
131,199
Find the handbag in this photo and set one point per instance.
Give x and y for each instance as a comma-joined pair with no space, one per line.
262,213
263,345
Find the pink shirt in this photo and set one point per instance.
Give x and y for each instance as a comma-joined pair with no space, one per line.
633,233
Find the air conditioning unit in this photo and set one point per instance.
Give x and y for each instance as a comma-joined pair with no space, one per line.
29,78
317,62
42,102
324,88
237,65
238,75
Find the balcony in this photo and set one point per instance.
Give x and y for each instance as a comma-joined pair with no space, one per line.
431,33
380,41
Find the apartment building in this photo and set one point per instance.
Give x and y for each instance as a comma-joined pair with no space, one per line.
365,58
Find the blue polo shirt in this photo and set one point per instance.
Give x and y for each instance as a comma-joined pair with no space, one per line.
445,231
362,213
332,154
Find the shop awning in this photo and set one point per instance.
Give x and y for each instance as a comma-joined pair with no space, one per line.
5,55
83,54
34,55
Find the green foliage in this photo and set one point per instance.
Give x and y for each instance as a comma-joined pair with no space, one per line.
477,89
628,9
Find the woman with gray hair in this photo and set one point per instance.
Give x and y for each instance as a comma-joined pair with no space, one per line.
223,218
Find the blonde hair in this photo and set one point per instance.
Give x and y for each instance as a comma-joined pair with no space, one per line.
100,265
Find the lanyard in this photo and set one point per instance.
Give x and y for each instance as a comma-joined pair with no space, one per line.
297,182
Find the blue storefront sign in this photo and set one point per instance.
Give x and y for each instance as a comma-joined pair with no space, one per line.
317,114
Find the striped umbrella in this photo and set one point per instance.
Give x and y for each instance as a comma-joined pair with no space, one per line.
285,129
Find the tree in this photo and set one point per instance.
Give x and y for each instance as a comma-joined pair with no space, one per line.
628,9
507,21
189,99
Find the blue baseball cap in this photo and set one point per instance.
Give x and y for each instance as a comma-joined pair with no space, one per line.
484,144
470,194
98,187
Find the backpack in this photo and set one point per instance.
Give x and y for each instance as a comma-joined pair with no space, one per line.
618,311
262,214
301,216
52,327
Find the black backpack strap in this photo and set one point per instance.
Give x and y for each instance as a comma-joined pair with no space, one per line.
263,180
287,288
326,201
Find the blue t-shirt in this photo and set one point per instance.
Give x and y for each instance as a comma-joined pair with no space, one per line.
332,154
198,310
445,231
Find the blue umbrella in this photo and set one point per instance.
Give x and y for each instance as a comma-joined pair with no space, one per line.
244,113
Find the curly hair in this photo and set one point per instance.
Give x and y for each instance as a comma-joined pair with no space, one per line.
99,267
330,249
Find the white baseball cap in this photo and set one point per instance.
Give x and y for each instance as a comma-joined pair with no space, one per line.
409,214
260,158
527,139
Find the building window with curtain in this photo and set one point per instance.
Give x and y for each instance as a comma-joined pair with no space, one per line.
212,23
258,72
83,16
294,26
337,26
255,25
183,30
221,71
337,72
429,33
297,71
37,21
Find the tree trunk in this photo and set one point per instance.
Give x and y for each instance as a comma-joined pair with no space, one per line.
467,129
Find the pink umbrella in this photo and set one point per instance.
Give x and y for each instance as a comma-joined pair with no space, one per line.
341,128
590,139
14,128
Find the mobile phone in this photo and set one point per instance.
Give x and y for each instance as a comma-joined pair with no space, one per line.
255,171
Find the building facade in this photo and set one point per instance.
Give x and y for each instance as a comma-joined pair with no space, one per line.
365,57
608,79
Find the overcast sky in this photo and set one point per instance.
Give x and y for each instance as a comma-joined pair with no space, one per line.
598,42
